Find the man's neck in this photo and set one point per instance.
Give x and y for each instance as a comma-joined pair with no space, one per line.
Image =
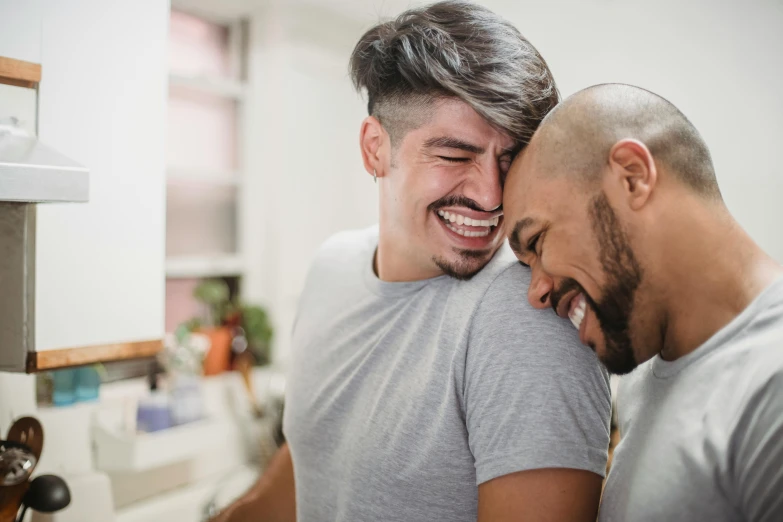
718,270
392,265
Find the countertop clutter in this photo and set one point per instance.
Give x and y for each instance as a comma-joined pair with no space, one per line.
179,473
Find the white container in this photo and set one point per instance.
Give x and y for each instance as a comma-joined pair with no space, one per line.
130,452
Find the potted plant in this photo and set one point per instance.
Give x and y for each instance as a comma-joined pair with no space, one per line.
214,295
257,330
229,324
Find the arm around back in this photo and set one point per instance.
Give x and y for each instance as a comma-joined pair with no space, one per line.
271,499
541,495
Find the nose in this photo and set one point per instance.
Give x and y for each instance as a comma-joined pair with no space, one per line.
540,288
483,185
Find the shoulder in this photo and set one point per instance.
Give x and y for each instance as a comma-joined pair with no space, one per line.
503,265
505,322
503,277
347,244
344,252
760,380
339,261
503,304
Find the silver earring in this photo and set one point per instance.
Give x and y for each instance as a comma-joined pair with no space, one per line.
374,176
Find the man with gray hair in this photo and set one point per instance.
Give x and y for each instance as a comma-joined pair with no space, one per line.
421,388
615,206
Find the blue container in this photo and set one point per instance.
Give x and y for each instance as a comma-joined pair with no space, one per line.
88,384
64,392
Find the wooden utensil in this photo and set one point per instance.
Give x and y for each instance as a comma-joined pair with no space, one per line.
27,431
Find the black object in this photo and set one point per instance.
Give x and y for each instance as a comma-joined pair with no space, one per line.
277,434
17,461
47,494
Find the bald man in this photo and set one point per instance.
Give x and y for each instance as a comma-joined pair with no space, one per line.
615,207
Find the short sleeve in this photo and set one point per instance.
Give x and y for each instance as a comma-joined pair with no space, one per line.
534,396
758,460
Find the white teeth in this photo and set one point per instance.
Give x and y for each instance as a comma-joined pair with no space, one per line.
578,313
464,220
468,233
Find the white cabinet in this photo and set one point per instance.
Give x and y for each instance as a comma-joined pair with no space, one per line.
20,30
99,266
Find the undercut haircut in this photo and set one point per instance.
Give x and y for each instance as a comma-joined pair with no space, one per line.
452,49
577,137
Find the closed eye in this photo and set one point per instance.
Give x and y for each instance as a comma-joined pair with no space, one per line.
533,243
454,159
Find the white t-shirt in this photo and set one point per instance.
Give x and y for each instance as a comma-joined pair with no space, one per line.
702,436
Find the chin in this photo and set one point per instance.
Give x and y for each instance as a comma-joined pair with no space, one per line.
465,264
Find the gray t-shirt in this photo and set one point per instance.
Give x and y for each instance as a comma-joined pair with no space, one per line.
403,397
702,436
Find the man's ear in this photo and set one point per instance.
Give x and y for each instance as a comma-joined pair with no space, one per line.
374,144
633,167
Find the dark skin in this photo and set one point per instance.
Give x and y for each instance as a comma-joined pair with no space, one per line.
674,232
272,498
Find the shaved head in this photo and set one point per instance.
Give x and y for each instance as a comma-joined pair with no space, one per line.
595,203
576,137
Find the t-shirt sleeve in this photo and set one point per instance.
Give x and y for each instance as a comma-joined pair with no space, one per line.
758,460
534,396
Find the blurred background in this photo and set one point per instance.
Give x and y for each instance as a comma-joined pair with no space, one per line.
221,139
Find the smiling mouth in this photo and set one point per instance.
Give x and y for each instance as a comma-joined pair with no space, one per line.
466,226
577,309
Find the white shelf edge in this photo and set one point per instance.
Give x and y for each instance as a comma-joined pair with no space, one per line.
212,85
181,267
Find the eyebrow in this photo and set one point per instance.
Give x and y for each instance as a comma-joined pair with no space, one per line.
453,143
449,142
514,237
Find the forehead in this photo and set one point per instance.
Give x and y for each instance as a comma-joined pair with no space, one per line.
455,118
531,193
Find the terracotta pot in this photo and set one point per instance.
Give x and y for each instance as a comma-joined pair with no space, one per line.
218,356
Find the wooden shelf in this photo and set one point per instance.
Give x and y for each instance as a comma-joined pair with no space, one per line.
217,86
207,266
19,73
69,357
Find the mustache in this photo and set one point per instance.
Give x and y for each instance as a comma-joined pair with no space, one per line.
460,201
567,286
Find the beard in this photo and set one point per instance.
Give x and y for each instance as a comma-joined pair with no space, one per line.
468,264
623,275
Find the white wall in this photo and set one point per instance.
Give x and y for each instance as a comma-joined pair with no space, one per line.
721,63
304,171
20,30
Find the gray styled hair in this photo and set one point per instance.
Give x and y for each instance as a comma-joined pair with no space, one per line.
453,49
